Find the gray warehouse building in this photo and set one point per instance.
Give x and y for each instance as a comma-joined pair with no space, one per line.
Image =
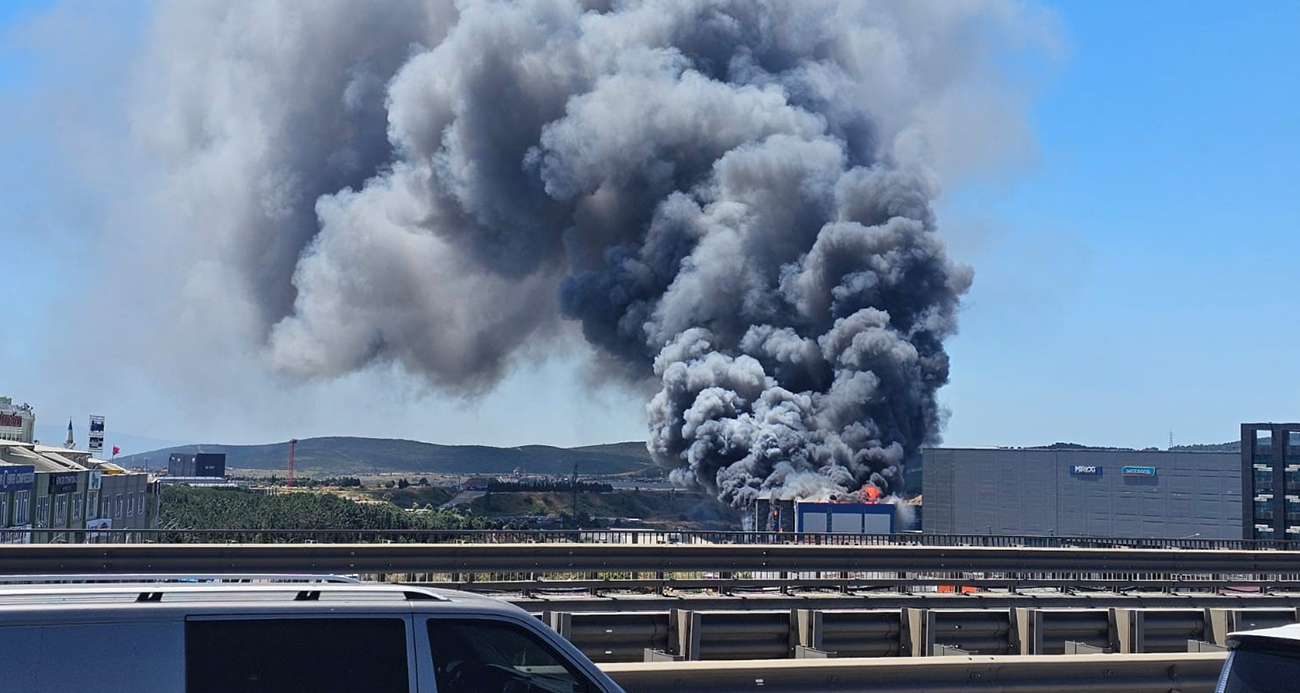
1082,492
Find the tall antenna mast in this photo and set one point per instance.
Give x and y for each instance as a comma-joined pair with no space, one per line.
1171,440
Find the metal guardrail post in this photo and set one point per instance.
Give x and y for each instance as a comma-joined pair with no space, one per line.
661,656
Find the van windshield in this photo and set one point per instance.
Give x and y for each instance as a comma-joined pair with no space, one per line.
1255,671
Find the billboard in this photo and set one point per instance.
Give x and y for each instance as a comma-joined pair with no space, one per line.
96,436
16,423
1138,471
18,477
1085,470
98,537
62,482
209,464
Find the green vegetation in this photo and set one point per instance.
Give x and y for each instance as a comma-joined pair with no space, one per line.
675,508
183,507
352,456
1231,446
412,496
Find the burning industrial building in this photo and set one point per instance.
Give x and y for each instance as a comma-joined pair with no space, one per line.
730,198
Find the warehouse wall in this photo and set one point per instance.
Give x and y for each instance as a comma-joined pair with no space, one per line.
1017,491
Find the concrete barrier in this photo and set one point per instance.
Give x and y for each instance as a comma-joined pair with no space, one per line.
1149,673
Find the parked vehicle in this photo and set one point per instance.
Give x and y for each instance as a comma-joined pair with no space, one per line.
266,635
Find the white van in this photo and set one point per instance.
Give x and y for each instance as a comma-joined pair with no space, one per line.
1262,661
213,636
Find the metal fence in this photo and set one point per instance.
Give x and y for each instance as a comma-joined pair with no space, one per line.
615,536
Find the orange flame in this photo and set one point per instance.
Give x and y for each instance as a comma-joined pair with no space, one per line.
871,493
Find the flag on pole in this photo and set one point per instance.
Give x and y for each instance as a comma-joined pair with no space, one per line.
116,450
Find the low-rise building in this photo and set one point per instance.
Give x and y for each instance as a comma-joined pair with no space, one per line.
17,421
16,483
197,464
54,495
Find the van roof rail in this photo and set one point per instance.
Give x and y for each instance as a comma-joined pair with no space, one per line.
180,578
211,592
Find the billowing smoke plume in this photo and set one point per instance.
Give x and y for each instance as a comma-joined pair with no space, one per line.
731,197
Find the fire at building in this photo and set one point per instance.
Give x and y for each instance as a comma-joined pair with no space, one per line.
859,513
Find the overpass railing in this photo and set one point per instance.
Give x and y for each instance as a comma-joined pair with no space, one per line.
954,563
616,536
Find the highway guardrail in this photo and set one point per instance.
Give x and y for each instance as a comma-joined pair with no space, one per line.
1148,673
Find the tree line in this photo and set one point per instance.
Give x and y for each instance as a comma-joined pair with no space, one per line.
242,510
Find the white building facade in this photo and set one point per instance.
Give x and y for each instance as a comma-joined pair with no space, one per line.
17,421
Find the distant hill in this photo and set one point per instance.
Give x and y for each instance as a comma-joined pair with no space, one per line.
1073,446
340,455
632,449
1234,446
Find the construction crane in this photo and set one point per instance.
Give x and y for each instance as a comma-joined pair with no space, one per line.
293,445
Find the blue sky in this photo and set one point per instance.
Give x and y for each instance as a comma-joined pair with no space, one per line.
1141,274
1134,278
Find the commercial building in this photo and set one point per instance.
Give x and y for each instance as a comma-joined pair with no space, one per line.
778,515
1270,466
198,464
52,494
126,500
1083,492
16,483
17,421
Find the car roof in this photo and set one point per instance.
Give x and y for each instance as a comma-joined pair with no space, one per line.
1289,634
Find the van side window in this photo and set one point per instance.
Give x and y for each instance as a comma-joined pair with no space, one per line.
316,655
476,656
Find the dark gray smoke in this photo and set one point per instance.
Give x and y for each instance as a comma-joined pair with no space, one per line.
731,197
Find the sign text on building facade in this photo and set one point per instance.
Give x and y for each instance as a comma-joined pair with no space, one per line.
17,477
63,483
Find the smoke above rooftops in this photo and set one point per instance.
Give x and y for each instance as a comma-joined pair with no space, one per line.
730,199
